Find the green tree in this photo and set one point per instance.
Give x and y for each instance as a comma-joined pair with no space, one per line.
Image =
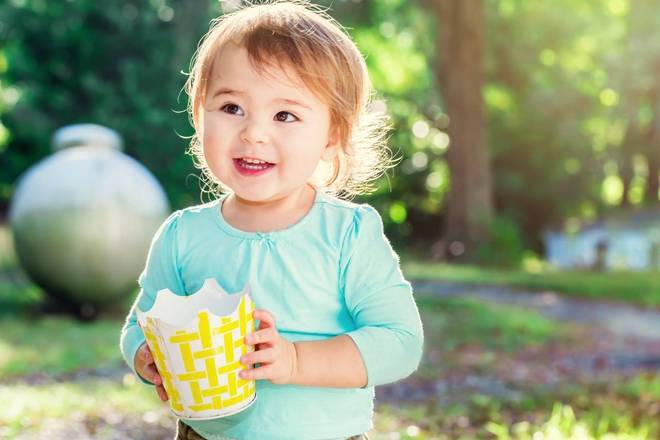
461,78
114,63
639,81
568,96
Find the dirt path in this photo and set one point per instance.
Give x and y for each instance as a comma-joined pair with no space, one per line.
619,319
610,342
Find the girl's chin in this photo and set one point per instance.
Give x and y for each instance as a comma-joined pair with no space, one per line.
259,196
255,198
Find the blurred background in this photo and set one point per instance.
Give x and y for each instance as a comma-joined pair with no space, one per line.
525,207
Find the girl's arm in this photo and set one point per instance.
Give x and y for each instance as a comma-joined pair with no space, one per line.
388,333
159,272
387,342
334,362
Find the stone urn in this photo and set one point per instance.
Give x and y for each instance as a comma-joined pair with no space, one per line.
83,218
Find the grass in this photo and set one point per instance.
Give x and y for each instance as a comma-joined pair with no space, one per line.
57,345
454,322
61,399
61,345
640,288
54,344
612,410
34,346
28,408
32,343
621,412
589,412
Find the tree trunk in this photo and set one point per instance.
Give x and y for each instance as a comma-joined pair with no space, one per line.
460,75
653,170
653,182
645,89
626,171
653,150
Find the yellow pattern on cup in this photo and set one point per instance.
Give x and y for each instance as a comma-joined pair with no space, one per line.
209,356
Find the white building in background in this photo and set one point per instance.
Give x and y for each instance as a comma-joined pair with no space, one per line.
630,242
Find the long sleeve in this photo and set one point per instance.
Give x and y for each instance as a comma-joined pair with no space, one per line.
389,332
160,272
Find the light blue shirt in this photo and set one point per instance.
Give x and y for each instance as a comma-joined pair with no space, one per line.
333,272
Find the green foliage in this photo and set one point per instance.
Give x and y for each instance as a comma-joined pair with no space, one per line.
541,94
397,42
16,291
563,423
504,247
117,64
584,411
558,100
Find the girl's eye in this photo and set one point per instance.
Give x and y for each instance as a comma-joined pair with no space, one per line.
282,117
230,108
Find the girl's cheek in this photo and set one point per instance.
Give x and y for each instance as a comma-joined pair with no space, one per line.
210,132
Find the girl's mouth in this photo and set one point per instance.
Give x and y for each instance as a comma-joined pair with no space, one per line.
252,168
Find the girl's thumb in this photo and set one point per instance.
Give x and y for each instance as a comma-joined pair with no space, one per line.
146,354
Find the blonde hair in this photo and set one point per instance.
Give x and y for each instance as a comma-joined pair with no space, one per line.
300,36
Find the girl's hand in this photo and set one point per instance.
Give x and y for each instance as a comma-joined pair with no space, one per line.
276,355
145,366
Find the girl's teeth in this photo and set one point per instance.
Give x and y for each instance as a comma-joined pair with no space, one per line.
254,165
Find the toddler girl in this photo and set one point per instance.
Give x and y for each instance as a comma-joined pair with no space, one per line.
280,102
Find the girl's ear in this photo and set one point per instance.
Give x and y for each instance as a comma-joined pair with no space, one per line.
332,149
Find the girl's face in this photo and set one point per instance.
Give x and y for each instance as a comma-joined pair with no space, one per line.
263,136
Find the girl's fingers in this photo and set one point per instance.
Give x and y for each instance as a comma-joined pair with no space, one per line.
146,354
152,374
262,372
262,336
264,317
258,357
162,393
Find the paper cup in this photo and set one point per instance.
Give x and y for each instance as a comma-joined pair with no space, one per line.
196,342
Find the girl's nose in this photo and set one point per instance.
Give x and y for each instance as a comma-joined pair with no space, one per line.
254,132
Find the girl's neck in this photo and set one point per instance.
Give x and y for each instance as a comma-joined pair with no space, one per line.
268,216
